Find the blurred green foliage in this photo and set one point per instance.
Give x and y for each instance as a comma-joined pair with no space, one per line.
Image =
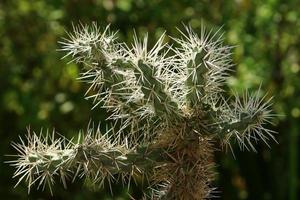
39,89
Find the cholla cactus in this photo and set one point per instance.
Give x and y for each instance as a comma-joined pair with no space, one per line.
169,108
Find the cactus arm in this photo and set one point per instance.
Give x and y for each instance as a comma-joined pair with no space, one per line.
97,159
243,121
154,91
195,81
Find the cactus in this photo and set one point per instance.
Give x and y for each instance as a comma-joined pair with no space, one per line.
168,108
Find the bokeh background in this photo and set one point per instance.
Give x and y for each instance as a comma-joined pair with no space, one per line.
39,89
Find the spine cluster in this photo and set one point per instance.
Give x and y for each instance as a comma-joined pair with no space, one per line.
168,105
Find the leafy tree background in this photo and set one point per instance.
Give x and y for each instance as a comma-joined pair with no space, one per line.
39,89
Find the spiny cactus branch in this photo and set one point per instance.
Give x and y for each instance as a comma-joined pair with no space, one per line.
168,105
96,156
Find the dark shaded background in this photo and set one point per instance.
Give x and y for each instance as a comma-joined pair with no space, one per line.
39,89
